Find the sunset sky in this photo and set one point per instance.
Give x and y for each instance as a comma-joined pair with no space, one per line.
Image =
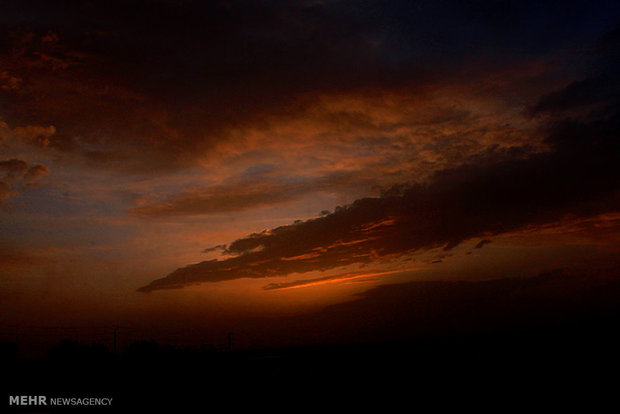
189,168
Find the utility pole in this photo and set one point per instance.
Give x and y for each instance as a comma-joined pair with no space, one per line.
229,336
114,346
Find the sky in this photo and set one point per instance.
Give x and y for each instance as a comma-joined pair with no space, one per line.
185,168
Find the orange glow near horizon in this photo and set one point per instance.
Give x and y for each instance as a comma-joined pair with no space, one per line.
339,278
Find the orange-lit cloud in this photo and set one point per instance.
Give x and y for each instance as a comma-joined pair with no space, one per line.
16,171
331,279
5,191
491,197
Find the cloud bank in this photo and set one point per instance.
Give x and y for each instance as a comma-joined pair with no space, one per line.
578,177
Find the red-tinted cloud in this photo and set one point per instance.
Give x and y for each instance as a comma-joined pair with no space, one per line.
578,177
16,171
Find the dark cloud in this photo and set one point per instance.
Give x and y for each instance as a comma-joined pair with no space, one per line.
214,248
8,82
13,166
424,309
36,172
154,86
482,243
16,170
578,177
600,91
133,79
581,94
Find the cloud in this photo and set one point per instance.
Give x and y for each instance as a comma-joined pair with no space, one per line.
35,134
353,146
340,96
13,167
423,309
9,83
348,277
16,170
253,192
580,94
220,199
36,172
19,169
119,92
598,92
214,248
482,243
6,191
578,177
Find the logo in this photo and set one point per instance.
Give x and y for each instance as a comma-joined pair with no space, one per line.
40,400
27,400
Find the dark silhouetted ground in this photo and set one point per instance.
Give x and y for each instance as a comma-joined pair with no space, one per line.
544,342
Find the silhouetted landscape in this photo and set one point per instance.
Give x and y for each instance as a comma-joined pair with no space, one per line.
521,337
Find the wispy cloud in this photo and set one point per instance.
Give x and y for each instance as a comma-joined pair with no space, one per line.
578,177
345,277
